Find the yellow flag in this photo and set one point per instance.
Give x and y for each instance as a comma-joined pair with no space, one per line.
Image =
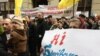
17,12
66,3
18,5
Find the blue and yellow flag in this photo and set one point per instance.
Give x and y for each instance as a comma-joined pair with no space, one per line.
66,3
18,5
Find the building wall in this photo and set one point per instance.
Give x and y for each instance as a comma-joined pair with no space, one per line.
6,8
96,6
27,4
53,2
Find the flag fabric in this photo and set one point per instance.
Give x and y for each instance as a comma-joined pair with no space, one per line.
66,3
17,11
18,5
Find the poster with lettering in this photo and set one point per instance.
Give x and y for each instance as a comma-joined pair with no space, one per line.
71,42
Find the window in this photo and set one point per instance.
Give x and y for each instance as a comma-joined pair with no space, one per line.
36,3
2,6
11,4
84,5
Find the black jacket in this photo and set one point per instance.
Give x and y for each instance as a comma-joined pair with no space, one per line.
41,27
3,41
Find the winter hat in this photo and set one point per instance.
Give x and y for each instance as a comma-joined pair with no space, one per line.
17,20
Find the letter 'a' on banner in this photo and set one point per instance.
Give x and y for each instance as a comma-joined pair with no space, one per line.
18,5
63,4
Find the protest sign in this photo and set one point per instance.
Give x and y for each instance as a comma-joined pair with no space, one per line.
71,42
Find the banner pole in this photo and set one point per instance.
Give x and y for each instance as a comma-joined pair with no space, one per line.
73,8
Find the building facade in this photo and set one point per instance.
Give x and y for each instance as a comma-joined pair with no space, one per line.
96,6
84,5
7,7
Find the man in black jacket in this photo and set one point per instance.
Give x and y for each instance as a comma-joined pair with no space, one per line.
32,38
41,28
3,46
4,36
36,32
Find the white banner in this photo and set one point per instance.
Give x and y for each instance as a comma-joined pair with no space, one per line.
47,10
52,10
3,0
71,42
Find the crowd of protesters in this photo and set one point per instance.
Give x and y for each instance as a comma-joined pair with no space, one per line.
22,36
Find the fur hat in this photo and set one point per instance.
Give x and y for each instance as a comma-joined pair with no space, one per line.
17,20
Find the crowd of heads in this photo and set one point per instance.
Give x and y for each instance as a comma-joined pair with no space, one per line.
35,28
8,24
81,22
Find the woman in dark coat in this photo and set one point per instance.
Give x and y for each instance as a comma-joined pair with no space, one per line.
18,41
